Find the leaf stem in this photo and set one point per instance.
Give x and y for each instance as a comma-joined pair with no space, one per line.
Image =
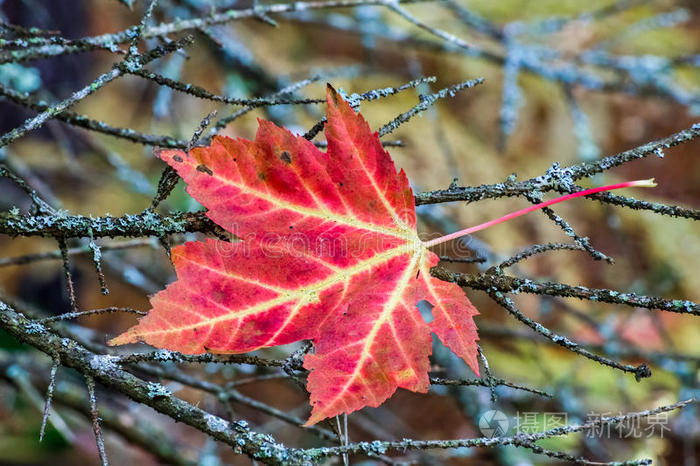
628,184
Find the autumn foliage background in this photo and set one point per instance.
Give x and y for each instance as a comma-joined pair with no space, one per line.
458,137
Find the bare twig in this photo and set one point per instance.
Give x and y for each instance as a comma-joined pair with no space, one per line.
67,273
49,397
641,371
382,447
507,284
97,429
56,255
92,312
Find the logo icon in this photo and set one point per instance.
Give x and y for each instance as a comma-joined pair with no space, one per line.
493,424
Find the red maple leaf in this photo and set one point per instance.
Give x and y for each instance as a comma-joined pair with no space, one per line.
328,251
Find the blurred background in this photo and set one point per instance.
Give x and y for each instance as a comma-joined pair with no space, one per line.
565,81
